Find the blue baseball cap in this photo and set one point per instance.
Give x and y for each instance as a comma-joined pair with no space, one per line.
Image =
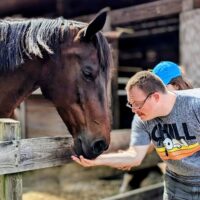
166,71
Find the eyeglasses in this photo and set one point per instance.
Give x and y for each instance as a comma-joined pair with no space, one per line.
138,104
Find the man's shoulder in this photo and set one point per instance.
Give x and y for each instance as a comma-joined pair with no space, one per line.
189,93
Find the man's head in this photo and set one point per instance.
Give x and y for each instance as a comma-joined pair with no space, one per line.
144,91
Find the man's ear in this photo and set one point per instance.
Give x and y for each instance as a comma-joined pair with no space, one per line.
156,96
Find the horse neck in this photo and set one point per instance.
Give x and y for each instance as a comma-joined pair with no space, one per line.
17,85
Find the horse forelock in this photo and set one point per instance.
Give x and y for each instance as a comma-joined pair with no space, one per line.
20,39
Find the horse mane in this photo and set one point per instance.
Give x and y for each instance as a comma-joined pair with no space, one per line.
104,54
24,38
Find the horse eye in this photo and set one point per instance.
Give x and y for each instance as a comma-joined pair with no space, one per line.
87,72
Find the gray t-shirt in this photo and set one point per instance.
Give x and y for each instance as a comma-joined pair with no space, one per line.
176,137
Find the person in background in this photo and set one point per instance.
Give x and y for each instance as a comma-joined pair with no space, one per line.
151,117
170,74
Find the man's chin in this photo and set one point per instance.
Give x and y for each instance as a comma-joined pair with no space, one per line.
143,117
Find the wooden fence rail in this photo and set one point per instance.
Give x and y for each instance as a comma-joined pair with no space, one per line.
36,153
29,154
19,155
152,192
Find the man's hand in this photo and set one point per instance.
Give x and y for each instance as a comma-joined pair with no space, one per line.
83,161
90,163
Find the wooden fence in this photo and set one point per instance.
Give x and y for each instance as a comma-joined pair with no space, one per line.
19,155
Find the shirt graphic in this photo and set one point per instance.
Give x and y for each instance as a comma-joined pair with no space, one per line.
170,145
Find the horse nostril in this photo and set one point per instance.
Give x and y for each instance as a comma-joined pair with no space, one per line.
99,146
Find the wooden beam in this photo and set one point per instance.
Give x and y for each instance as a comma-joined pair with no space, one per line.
131,69
35,153
114,85
154,191
120,139
112,36
146,11
14,5
196,3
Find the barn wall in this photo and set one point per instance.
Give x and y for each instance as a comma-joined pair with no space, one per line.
42,118
190,45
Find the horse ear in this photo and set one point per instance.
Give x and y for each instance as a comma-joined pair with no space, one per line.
96,24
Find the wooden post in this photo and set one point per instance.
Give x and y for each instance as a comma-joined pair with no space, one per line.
190,45
113,38
10,185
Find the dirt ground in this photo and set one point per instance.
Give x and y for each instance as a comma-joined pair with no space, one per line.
70,182
73,182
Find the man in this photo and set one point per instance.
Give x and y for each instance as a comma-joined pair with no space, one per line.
171,120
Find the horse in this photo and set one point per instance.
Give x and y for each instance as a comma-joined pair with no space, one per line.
70,62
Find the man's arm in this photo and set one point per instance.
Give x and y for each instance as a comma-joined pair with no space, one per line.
123,160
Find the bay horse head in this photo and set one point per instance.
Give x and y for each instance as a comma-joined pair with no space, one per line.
70,61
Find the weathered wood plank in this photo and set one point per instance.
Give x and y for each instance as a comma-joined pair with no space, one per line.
10,185
146,11
189,58
14,5
119,140
196,3
37,107
153,192
34,153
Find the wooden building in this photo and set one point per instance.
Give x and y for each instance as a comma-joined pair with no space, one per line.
142,33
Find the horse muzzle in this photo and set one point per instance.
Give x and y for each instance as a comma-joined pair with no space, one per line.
91,149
